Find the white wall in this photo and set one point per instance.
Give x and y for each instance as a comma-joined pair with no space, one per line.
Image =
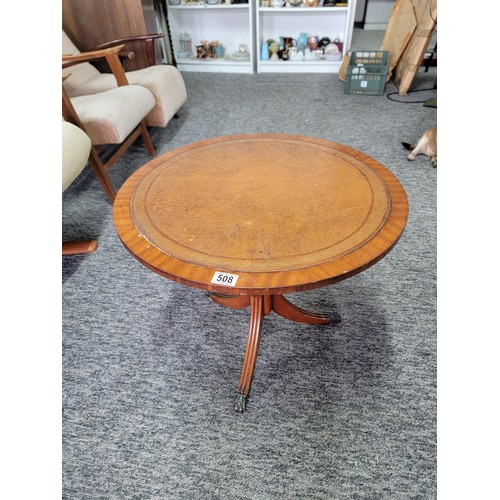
378,13
360,11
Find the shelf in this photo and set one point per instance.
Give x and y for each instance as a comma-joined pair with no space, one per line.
230,24
299,66
303,10
250,24
214,66
209,7
276,22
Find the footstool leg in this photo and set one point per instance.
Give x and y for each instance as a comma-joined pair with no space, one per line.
256,315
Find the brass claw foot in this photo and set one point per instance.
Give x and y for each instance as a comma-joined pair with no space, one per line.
241,403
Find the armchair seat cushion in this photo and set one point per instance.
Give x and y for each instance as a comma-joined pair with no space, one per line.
110,116
165,82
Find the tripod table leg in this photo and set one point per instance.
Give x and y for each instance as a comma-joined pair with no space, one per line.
292,312
256,315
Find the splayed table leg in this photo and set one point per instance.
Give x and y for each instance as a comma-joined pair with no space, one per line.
256,315
260,306
286,309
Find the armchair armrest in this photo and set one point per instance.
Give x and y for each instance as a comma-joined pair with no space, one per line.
147,39
111,56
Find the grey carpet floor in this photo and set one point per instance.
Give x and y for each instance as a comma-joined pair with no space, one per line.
150,367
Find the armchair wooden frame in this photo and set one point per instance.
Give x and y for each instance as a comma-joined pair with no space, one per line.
79,247
99,168
149,41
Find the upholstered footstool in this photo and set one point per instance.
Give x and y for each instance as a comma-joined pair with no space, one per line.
167,85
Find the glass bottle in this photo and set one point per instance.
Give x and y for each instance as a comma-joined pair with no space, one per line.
185,40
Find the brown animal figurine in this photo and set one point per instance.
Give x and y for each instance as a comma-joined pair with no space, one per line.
426,145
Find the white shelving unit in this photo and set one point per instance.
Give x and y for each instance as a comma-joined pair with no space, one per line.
250,24
332,22
230,24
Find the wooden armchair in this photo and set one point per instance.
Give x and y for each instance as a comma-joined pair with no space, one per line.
111,117
164,81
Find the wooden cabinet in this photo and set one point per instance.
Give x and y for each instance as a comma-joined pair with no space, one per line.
92,22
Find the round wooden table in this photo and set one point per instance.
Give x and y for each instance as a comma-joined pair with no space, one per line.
253,217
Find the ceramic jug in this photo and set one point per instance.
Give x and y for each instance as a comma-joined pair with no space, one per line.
324,42
302,42
313,43
219,51
339,44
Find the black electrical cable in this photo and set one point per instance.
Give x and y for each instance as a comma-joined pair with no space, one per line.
411,91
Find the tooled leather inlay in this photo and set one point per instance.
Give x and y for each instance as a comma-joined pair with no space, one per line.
260,205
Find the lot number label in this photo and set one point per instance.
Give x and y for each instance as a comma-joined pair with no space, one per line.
224,279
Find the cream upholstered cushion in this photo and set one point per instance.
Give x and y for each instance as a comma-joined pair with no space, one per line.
164,81
79,74
109,117
75,152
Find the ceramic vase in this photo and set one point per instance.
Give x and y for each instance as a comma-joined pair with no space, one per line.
264,53
302,42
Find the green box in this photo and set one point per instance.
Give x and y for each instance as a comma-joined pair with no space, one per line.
367,72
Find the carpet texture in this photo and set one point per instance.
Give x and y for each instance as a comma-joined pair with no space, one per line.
150,367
